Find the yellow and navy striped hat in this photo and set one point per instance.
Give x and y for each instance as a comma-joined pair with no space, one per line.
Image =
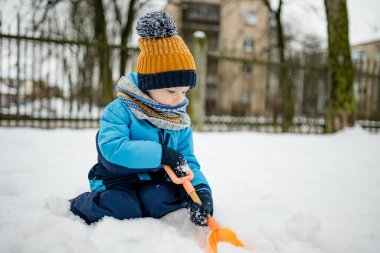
164,61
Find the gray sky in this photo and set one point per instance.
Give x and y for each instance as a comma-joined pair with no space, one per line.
365,20
308,16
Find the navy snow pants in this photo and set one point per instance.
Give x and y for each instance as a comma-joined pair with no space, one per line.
146,200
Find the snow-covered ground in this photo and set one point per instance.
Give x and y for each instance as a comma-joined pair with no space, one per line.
278,192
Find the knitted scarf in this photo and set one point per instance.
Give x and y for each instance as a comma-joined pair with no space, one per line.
145,108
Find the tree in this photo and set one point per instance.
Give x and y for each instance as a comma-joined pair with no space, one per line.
284,83
341,106
88,19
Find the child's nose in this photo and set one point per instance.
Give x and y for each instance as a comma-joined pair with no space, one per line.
178,99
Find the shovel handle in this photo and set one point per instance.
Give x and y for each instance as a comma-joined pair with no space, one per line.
185,181
190,190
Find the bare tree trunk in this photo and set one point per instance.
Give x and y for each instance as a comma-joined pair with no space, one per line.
126,31
94,10
341,106
284,83
105,71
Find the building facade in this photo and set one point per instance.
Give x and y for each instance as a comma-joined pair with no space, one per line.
366,57
235,29
369,51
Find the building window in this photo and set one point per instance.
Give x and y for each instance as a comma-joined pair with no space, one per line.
250,18
248,45
201,13
246,96
378,55
247,69
358,55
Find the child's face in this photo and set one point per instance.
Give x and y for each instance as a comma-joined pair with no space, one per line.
169,96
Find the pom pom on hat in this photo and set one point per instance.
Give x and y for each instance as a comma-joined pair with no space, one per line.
156,24
164,60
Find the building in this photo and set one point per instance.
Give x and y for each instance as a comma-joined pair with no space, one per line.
235,29
369,51
366,57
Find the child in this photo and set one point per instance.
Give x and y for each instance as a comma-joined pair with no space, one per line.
145,128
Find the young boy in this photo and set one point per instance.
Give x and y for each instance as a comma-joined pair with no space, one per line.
145,128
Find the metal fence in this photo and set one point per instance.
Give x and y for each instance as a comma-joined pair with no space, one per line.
54,83
44,83
51,82
309,84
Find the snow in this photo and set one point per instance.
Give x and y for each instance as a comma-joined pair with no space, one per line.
303,227
224,247
5,90
280,193
199,35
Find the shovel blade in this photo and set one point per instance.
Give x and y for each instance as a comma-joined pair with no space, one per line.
222,235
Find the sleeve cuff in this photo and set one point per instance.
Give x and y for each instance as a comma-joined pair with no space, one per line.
201,187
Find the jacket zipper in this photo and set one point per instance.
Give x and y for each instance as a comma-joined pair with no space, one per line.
160,137
163,137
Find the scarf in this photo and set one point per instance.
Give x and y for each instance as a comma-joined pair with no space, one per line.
145,108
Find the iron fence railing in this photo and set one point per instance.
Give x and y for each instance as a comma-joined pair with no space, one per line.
53,83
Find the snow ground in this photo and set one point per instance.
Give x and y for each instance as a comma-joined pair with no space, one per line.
279,192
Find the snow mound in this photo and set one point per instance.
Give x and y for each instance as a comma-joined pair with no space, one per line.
137,235
303,226
58,206
333,177
225,247
274,241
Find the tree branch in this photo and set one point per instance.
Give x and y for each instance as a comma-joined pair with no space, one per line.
49,5
279,9
267,4
117,12
131,13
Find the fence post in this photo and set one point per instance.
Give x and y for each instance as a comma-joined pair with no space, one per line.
2,81
198,95
18,86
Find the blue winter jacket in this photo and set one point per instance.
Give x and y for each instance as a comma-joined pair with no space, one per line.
130,149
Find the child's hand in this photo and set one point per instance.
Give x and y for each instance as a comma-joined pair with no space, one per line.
198,214
175,160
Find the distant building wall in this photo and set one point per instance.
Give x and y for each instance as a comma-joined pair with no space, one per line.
234,28
369,51
243,33
366,57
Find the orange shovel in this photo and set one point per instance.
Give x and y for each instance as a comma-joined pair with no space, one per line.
217,234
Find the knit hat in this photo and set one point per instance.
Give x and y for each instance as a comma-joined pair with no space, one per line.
164,61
